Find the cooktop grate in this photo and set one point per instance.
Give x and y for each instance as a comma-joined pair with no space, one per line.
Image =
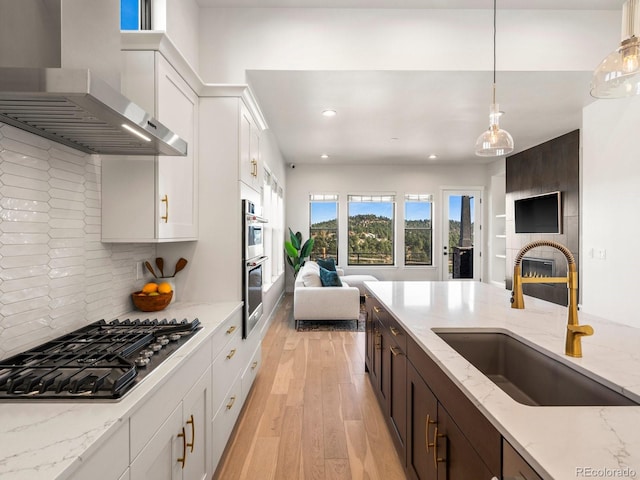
103,360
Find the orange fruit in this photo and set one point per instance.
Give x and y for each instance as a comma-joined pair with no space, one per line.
150,288
164,287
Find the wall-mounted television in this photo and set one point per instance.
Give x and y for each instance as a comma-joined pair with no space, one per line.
539,214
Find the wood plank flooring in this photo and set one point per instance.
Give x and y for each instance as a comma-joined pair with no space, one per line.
312,413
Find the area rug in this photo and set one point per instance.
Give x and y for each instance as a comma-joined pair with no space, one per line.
334,325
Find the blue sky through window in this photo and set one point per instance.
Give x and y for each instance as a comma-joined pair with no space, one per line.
323,211
129,15
381,209
417,211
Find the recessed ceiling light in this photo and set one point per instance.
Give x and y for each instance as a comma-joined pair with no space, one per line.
329,113
324,156
433,156
394,138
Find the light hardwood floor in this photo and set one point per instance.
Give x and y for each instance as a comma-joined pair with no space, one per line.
312,413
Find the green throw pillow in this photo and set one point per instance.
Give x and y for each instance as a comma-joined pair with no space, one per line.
328,263
329,278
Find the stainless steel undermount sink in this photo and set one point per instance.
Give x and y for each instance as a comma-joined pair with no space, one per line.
527,375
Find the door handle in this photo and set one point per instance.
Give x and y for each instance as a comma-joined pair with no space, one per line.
193,433
183,459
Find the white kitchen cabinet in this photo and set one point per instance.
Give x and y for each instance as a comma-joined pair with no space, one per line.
154,199
251,168
179,449
250,372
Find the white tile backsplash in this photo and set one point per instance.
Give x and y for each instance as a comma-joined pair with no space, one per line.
55,273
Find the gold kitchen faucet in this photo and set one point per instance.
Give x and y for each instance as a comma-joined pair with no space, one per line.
575,332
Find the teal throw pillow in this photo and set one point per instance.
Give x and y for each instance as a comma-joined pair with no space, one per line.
328,263
329,278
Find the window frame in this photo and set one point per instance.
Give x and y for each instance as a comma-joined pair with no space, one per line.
325,198
418,198
373,198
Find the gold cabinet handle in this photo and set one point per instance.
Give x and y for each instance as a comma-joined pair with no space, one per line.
183,459
436,459
230,404
165,199
231,329
193,433
428,422
378,344
231,354
396,351
366,295
377,309
254,167
394,331
254,365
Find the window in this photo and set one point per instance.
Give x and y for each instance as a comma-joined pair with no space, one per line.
273,209
371,229
323,225
418,234
135,14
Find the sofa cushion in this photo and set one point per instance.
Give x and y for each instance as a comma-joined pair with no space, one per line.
310,277
329,278
328,263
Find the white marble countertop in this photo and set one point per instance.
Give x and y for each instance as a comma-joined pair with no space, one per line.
49,440
559,442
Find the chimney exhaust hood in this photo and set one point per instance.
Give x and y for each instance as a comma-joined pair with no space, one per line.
73,107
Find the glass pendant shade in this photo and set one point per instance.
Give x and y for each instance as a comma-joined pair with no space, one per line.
618,75
494,142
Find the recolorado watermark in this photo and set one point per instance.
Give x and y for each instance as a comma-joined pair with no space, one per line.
605,472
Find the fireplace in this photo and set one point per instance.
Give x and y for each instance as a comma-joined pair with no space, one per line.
538,267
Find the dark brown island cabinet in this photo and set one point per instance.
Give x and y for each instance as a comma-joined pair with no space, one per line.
438,433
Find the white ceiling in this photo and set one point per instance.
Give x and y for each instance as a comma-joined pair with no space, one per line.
445,4
401,117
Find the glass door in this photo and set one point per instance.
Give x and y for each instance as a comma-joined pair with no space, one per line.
461,241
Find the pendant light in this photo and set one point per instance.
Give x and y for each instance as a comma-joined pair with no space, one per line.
619,74
494,142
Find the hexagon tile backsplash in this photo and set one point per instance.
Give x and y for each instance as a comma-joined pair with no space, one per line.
55,273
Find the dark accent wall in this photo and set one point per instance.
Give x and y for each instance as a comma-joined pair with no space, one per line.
549,167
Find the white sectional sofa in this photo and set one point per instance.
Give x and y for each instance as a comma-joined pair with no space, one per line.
312,301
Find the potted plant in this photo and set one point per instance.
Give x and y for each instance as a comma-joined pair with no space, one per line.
297,252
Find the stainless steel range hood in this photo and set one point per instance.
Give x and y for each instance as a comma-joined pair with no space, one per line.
73,107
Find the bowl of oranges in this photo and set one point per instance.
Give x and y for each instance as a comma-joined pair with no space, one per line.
153,297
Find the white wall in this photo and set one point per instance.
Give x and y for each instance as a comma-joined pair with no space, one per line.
345,180
55,274
236,40
610,209
182,28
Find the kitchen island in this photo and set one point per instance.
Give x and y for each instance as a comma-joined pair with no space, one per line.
558,442
112,439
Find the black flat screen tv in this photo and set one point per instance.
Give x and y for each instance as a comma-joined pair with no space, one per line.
539,214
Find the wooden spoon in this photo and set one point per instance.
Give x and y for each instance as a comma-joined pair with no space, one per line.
150,268
160,265
180,264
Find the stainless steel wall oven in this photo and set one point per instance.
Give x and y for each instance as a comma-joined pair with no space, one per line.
253,259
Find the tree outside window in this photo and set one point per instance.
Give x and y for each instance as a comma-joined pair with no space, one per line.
323,225
371,233
418,232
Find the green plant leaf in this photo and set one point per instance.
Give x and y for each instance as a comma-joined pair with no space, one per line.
307,248
295,240
290,249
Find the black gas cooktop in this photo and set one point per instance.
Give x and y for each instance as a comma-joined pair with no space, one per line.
103,360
